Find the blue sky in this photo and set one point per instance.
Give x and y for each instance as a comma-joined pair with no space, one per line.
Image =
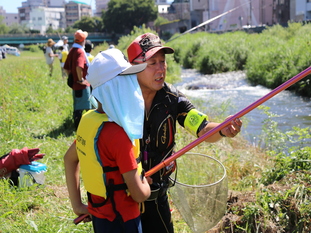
10,6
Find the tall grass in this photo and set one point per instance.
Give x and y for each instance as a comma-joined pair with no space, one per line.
36,111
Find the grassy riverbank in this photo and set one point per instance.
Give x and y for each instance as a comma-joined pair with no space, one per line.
269,58
271,189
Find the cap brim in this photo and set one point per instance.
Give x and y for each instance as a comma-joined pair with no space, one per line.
134,69
151,52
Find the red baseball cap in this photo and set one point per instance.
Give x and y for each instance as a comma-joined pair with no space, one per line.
144,47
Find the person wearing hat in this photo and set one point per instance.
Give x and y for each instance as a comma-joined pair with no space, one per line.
164,106
106,148
49,55
76,66
65,43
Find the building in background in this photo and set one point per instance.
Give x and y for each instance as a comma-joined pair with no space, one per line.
100,5
244,13
42,14
228,15
42,18
29,5
163,8
11,18
183,14
2,11
8,18
75,10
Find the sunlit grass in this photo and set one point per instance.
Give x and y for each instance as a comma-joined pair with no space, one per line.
36,111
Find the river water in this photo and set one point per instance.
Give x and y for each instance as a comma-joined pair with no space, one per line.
232,89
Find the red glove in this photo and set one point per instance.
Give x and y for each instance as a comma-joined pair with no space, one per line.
16,158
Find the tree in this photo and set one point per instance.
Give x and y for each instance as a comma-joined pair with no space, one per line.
123,15
16,28
3,28
49,30
89,24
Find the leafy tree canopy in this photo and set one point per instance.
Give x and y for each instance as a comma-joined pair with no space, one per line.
123,15
49,30
160,20
89,24
16,28
3,28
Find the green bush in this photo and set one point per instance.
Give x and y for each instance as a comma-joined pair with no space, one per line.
33,48
212,53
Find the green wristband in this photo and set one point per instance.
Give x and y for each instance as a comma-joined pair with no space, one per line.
193,121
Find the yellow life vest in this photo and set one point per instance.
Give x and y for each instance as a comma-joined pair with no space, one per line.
90,57
88,131
64,56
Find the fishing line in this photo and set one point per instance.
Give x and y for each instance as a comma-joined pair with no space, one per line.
208,21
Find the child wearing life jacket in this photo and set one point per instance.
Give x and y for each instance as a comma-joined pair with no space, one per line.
88,47
62,55
106,149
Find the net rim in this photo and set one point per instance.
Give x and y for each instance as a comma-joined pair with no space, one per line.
204,185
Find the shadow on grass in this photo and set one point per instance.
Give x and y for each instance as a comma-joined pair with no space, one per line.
66,129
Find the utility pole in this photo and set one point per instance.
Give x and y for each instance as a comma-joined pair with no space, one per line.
207,12
250,13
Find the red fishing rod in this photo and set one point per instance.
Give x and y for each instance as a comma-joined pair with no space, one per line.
246,110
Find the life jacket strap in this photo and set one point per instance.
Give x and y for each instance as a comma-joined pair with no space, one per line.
110,169
111,188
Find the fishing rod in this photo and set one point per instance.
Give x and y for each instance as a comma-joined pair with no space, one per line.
208,21
246,110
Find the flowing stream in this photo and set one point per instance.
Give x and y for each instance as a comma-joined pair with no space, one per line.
232,88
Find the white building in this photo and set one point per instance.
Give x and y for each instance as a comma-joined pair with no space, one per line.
42,18
163,8
27,6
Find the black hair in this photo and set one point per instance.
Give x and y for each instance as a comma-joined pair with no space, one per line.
88,46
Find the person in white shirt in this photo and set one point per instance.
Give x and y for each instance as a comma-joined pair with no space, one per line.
49,55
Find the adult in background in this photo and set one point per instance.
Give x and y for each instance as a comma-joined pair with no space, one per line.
164,106
49,55
3,52
76,65
65,45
